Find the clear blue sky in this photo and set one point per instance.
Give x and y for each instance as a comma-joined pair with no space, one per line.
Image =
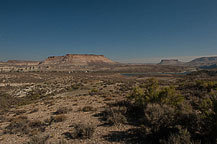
119,29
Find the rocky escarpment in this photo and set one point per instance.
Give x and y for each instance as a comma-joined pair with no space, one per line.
170,62
77,60
83,62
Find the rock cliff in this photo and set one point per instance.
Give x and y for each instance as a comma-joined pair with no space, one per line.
77,60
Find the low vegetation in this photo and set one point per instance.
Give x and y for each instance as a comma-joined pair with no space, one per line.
111,109
114,116
81,131
61,110
58,118
22,125
38,140
88,108
166,116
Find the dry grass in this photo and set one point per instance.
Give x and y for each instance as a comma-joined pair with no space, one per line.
88,109
114,116
38,140
61,110
81,131
58,118
24,126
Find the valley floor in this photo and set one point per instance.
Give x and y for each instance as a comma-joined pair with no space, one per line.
65,108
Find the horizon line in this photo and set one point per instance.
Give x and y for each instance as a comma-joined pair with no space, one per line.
152,60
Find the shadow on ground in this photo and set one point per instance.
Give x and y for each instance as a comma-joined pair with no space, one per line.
132,136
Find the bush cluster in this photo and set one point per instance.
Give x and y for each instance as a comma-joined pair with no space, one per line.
153,93
166,116
81,131
115,116
21,125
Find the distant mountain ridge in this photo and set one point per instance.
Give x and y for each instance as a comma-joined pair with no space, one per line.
198,62
203,61
83,60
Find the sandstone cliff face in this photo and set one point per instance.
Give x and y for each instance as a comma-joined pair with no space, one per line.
170,62
52,60
77,60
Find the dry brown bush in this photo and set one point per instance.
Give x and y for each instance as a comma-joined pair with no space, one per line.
81,131
61,110
58,118
88,108
24,126
115,115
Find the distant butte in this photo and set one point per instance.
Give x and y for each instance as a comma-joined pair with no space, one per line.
170,62
77,60
69,62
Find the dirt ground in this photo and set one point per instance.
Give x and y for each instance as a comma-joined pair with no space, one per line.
80,98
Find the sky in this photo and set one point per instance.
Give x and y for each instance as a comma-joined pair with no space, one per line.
123,30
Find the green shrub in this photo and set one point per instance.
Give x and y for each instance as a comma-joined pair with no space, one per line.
206,85
152,93
209,118
158,117
170,96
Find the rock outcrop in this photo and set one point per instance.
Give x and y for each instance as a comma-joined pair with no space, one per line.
170,62
71,62
77,60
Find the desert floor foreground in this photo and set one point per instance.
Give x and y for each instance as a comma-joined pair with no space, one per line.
79,107
81,97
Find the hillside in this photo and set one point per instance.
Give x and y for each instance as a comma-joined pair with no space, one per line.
203,61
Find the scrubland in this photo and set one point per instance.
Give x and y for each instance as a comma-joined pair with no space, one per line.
107,107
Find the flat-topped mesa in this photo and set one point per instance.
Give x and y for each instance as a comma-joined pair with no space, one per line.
77,60
83,55
170,62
